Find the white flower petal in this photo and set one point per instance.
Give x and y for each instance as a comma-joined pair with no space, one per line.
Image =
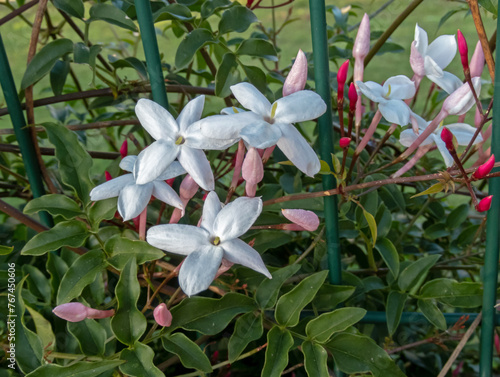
156,120
442,50
211,208
197,140
191,113
417,61
432,68
299,106
261,135
372,90
395,111
296,148
232,110
112,188
237,251
237,217
448,160
166,194
154,160
407,137
251,99
227,126
448,81
174,170
399,87
178,238
196,164
127,163
462,99
133,199
464,133
421,123
199,269
421,40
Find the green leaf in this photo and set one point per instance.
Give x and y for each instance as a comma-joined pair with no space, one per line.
90,335
389,254
70,233
330,296
190,44
210,6
189,352
436,231
434,189
128,323
208,315
256,76
38,284
291,304
226,75
74,161
81,368
490,6
279,342
172,12
325,168
237,18
6,250
360,354
432,313
458,216
392,197
43,329
86,55
337,165
55,204
58,76
248,327
74,8
315,358
453,293
44,60
268,290
394,309
412,277
101,210
112,15
122,249
81,273
131,62
257,47
139,362
56,267
372,225
322,328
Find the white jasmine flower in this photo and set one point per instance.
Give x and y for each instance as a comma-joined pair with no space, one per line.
216,238
134,197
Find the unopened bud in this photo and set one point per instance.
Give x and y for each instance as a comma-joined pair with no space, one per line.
417,61
76,312
162,315
108,176
297,77
353,97
344,142
362,42
252,169
485,168
305,219
124,149
463,50
341,79
188,188
447,137
477,61
462,99
484,204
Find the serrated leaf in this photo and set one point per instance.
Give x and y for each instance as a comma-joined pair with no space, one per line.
434,189
268,290
74,8
112,15
372,224
70,233
430,310
394,309
248,327
322,328
389,254
279,342
139,362
55,204
189,352
315,359
190,44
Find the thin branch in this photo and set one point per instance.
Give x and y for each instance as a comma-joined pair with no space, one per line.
82,127
18,11
481,33
50,152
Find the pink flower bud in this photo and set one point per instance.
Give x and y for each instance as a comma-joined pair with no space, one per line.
477,61
297,77
497,344
457,370
417,61
462,99
344,142
341,78
252,169
353,97
447,137
76,312
463,50
485,168
305,219
108,176
188,188
124,149
362,42
484,204
162,315
97,314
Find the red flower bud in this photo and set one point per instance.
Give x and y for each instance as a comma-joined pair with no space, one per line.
464,51
341,79
344,142
353,97
124,149
162,315
108,176
447,137
484,204
485,168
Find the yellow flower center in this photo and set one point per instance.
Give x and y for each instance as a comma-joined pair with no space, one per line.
216,241
180,140
388,92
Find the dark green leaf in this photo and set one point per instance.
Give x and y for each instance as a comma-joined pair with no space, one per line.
372,225
44,60
330,296
270,239
43,329
128,323
458,216
80,274
86,55
490,6
467,236
268,291
257,47
38,284
74,8
56,267
189,45
392,197
291,304
189,352
389,255
80,368
122,249
322,328
394,309
210,6
453,293
131,62
412,277
432,313
70,233
90,335
58,75
315,358
237,18
279,342
207,315
139,362
436,231
227,75
55,204
101,210
172,12
248,327
112,15
256,76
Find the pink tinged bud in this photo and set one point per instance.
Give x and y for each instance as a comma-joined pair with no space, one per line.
447,137
297,77
341,79
252,169
124,149
485,168
98,314
462,99
170,181
362,42
484,204
353,97
463,50
497,343
76,312
305,219
188,188
162,315
417,61
478,118
477,61
344,142
108,176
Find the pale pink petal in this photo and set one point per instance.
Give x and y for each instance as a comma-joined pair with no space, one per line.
306,219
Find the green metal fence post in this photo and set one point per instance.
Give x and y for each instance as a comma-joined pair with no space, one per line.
490,271
151,52
322,80
22,134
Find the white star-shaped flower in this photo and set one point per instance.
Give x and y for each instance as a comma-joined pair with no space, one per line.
269,124
179,139
134,197
462,132
430,60
216,238
390,97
